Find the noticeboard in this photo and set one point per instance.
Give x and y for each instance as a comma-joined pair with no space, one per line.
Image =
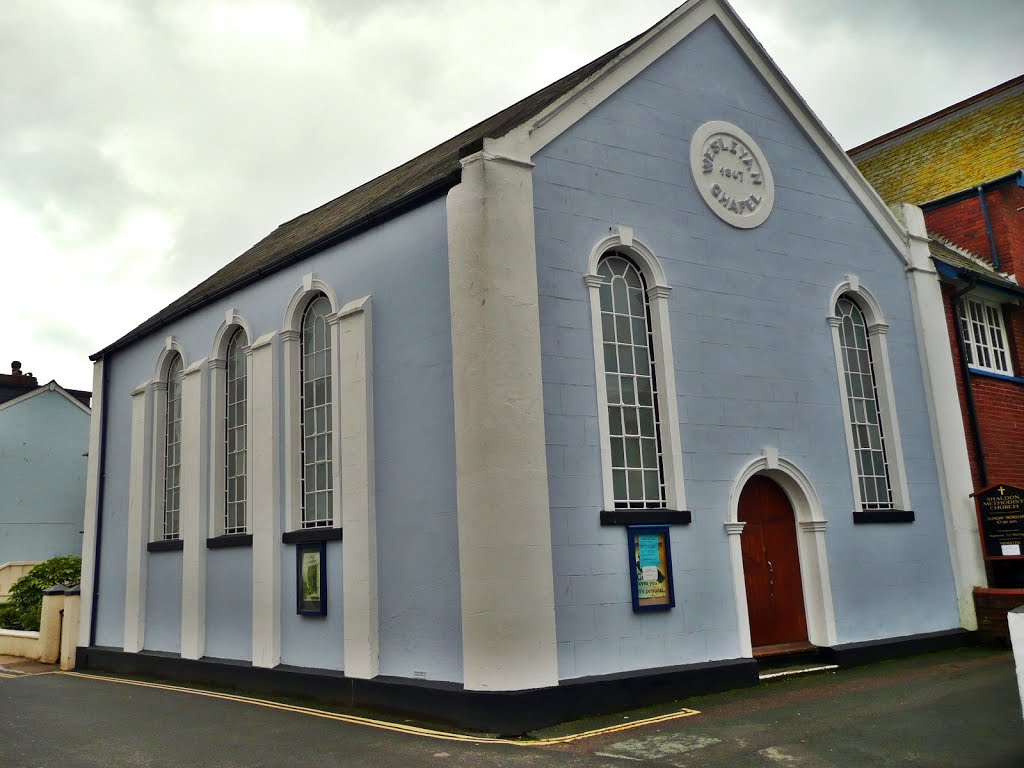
1001,522
650,567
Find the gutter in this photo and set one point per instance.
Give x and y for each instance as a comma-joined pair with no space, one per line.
988,227
964,194
994,283
99,502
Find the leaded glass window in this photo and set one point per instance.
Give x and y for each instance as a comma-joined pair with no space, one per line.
235,396
981,323
863,407
638,476
172,452
317,487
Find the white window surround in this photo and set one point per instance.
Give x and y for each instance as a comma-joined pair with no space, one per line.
877,330
158,387
217,365
811,527
290,337
621,239
984,335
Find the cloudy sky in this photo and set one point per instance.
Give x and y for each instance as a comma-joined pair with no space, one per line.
145,143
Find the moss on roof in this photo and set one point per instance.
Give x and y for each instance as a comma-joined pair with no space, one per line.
961,148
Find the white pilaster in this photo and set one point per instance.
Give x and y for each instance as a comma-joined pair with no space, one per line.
817,583
948,439
264,507
508,617
291,350
739,588
194,510
92,484
138,519
358,508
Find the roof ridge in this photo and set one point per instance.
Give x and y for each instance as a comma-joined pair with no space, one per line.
937,115
380,198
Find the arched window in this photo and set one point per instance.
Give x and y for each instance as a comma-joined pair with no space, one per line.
631,382
235,426
863,407
172,452
315,420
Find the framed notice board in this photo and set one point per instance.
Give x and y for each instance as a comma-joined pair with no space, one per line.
311,579
1001,522
650,567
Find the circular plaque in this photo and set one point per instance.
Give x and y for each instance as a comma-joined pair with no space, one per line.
732,174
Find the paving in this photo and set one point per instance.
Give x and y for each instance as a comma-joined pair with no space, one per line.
956,708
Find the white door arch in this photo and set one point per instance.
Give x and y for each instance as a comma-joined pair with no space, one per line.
811,525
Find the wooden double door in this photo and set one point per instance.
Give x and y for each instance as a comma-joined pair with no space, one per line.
771,565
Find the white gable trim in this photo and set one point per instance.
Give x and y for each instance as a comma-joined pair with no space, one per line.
53,386
531,136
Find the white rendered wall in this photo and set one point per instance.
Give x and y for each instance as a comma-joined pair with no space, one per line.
508,616
948,437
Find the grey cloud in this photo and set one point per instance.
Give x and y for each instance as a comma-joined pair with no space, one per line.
106,109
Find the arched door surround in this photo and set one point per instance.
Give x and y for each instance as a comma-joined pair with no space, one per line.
810,536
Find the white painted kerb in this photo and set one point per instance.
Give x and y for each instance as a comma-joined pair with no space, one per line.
1015,619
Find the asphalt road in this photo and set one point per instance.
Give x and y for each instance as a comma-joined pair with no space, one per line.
948,709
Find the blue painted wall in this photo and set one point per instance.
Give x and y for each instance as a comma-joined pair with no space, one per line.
43,440
229,603
313,641
403,264
163,602
754,365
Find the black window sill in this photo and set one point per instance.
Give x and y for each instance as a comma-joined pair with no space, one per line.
226,540
309,535
166,545
883,516
645,517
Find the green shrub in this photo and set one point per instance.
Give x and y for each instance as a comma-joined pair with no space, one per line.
23,609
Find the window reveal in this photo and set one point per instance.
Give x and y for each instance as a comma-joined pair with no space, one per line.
172,452
863,407
235,458
315,394
638,475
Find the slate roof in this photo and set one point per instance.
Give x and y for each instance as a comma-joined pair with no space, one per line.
424,177
965,266
961,146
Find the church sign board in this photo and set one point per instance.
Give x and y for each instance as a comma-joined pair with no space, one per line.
650,565
1001,521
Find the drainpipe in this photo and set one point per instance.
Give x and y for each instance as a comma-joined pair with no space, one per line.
99,501
972,411
988,228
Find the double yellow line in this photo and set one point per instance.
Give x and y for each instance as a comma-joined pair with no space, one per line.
398,727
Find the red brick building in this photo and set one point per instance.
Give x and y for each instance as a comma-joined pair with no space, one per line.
963,167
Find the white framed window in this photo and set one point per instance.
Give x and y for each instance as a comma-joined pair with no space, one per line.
984,334
235,434
172,452
862,407
638,415
859,335
631,382
316,417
